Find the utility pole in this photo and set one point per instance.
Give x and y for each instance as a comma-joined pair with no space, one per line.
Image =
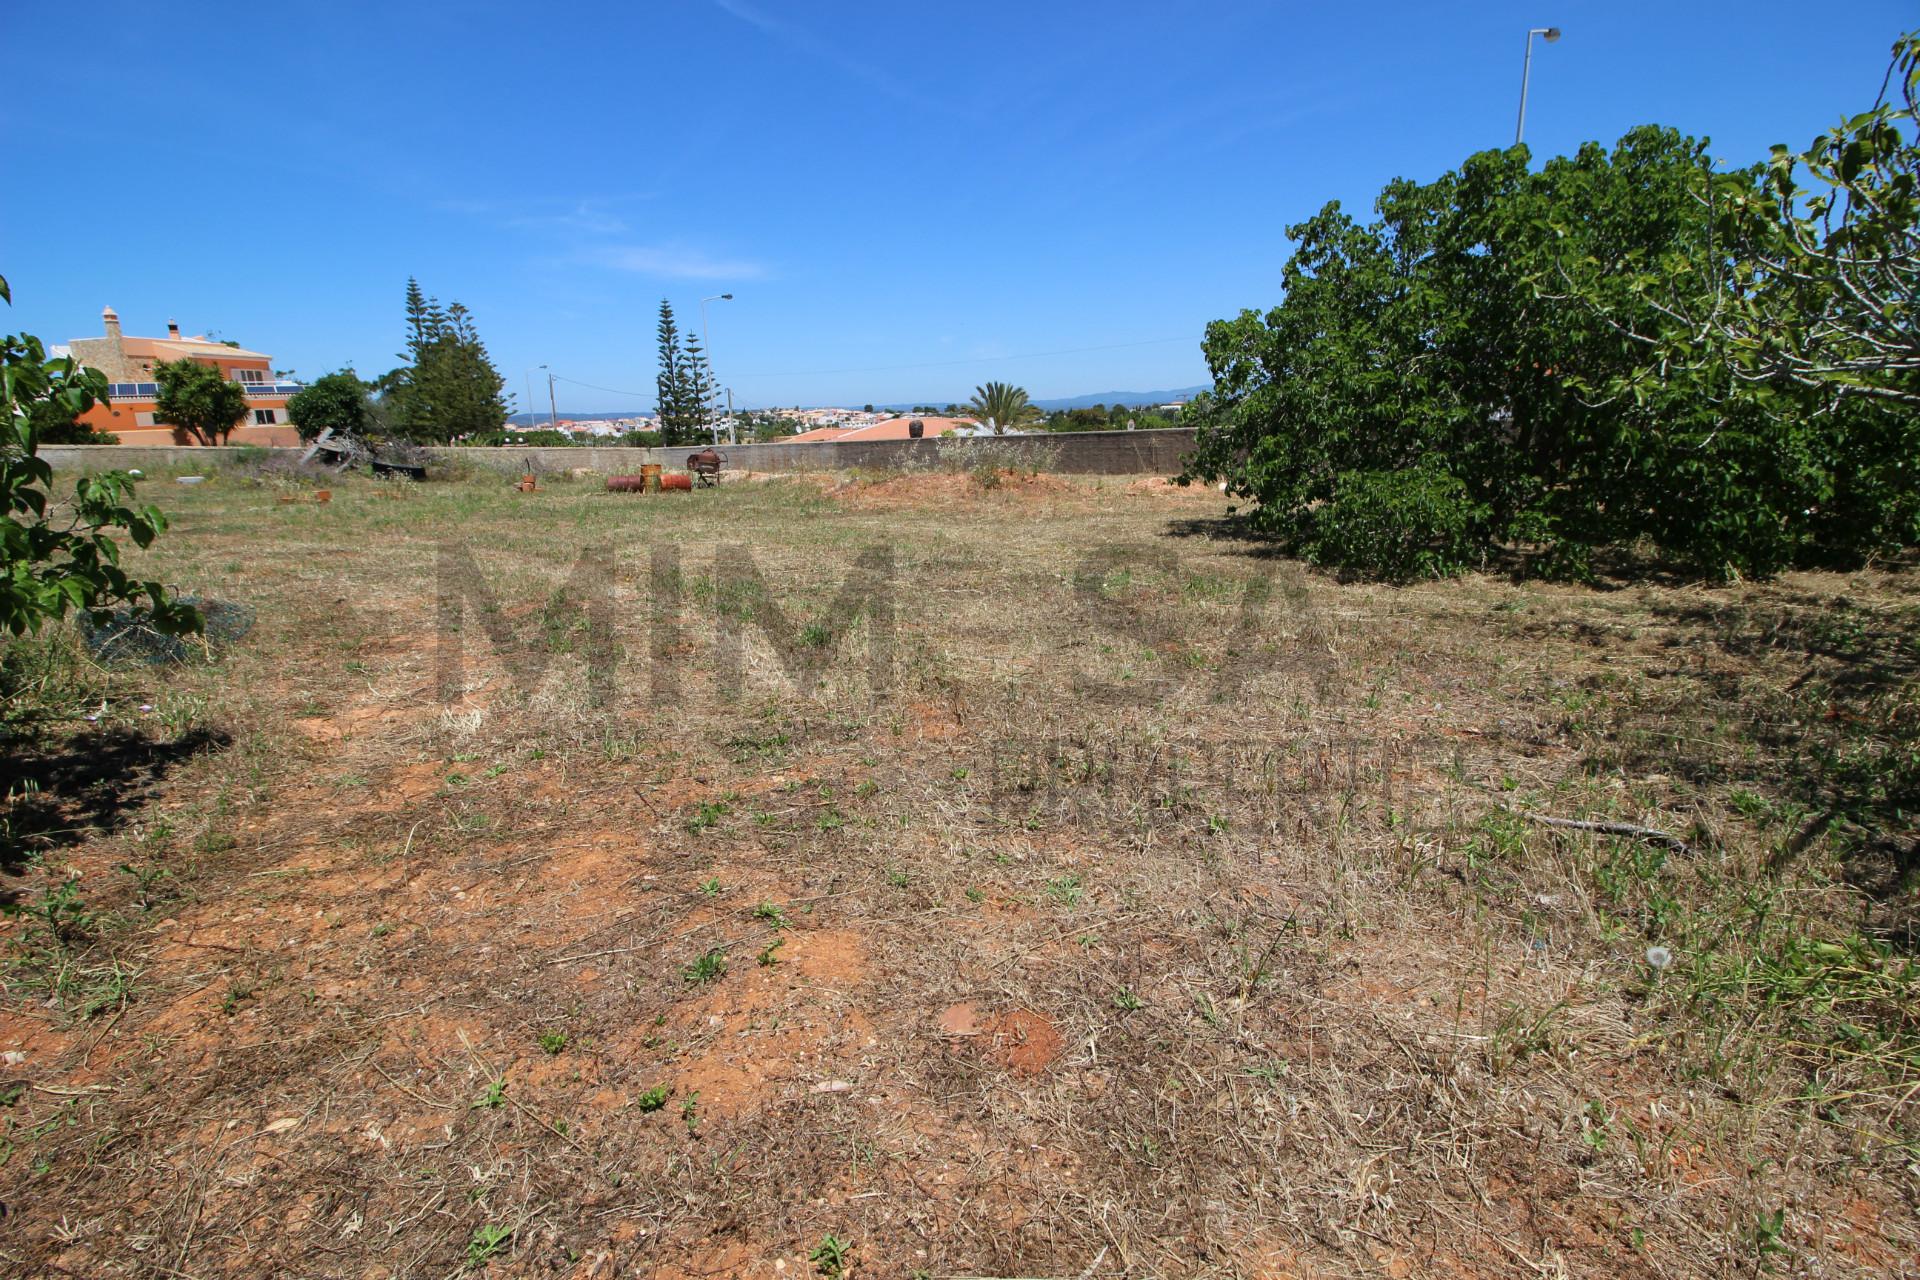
552,406
706,345
531,411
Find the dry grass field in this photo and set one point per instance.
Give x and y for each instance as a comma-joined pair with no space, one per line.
1085,891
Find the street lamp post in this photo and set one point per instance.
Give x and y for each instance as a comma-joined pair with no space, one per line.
706,344
528,375
1526,73
552,407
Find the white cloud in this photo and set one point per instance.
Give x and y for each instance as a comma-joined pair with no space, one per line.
675,261
806,42
584,218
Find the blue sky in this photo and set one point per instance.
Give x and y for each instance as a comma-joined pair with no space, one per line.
905,200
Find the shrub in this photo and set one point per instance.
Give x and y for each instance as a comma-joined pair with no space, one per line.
1396,525
987,458
52,564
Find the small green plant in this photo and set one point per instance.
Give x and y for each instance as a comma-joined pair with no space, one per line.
816,636
239,991
495,1095
59,914
654,1098
711,965
1065,890
711,886
552,1042
767,957
1125,999
829,1257
707,816
1593,1126
690,1109
772,914
149,883
1765,1233
488,1239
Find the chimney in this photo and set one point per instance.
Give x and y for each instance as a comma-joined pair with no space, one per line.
173,330
112,319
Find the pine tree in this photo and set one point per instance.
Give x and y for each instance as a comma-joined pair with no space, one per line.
472,389
679,417
425,321
702,390
449,386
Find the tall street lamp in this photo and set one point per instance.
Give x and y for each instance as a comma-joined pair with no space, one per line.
707,345
529,377
1526,73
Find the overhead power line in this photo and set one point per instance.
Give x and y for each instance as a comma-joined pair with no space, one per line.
614,391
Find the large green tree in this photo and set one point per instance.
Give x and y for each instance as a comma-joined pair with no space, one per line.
336,402
1002,406
449,387
1790,313
685,388
198,399
1810,277
702,389
1478,370
62,554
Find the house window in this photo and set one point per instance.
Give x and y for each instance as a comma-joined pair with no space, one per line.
263,417
251,375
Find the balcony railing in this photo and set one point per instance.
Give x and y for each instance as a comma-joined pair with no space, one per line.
254,390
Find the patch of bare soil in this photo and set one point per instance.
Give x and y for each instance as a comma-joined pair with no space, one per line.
942,489
1215,947
1163,487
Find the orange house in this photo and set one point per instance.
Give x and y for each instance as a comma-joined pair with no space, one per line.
129,409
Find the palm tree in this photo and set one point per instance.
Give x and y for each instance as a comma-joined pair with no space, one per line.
1002,405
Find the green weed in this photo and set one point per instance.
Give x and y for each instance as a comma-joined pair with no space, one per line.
710,966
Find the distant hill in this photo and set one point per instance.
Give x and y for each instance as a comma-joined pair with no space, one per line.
1123,397
1070,402
1089,400
578,415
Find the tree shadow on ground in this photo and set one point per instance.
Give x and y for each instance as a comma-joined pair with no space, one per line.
1808,698
59,793
1609,569
1813,700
